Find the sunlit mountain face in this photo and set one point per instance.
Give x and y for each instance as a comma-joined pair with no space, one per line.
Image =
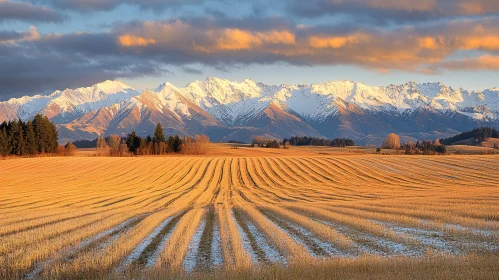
228,110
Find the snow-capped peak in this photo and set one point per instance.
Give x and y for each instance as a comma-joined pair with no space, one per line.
115,86
232,102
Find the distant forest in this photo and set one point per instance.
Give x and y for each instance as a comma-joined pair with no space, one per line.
313,141
478,135
37,136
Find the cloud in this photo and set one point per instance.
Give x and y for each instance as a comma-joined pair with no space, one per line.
11,37
107,5
407,48
33,62
336,42
134,41
57,61
386,11
21,11
190,70
484,62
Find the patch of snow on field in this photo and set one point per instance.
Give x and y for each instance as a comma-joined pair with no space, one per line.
155,255
432,238
327,247
190,258
271,253
246,242
216,249
135,254
297,239
392,247
475,231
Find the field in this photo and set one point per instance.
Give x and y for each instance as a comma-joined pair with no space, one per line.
250,213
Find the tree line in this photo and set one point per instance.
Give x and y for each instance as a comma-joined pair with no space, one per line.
478,135
133,144
34,137
259,141
425,147
314,141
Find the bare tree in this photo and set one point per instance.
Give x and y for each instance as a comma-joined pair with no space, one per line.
70,149
392,141
188,146
123,149
114,145
102,148
66,150
202,143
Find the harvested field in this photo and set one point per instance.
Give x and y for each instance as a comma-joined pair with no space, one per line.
201,216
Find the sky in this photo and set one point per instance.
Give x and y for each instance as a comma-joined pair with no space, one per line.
46,45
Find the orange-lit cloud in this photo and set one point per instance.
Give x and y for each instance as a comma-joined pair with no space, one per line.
487,42
407,48
407,5
336,42
237,39
484,62
134,41
431,43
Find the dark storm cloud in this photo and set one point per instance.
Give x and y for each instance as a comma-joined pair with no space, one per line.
21,11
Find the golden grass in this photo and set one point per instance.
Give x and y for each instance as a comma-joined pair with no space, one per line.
89,217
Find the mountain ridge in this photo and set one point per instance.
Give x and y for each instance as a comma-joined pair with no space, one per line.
223,108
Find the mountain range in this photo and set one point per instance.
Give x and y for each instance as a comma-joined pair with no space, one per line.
227,110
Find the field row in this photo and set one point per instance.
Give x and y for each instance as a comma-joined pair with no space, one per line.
105,216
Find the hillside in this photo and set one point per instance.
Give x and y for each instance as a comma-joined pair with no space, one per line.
475,137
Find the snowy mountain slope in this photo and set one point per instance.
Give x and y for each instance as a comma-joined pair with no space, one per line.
65,106
221,108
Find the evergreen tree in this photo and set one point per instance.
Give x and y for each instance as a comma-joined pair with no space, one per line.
41,134
306,141
133,142
37,136
53,136
31,145
159,136
177,144
14,139
174,144
4,142
22,150
169,142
